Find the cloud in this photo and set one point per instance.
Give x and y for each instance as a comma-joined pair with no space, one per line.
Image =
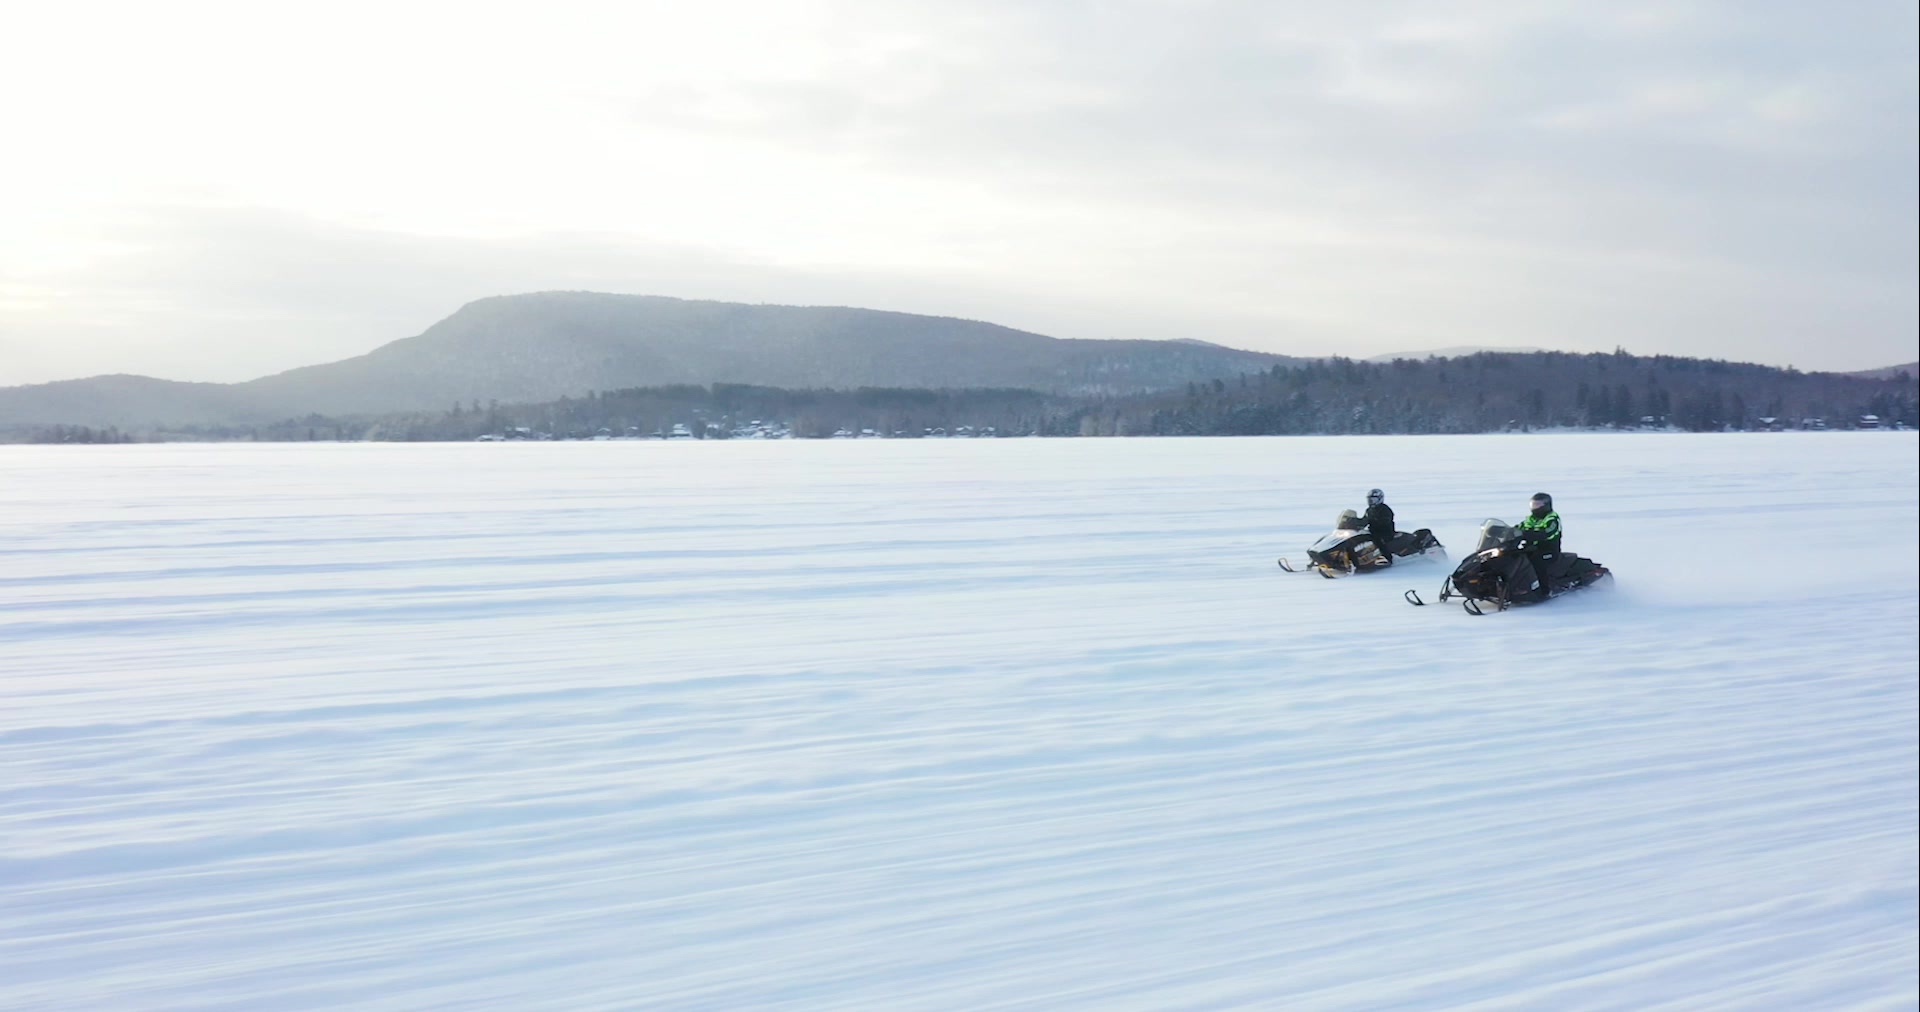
220,293
229,293
1733,180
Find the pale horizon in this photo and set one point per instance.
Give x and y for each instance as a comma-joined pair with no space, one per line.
217,192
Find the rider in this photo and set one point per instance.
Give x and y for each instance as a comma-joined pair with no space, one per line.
1379,520
1540,537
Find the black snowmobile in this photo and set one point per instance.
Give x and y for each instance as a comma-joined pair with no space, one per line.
1349,549
1500,575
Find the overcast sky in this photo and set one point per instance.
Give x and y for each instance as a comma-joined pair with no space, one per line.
216,191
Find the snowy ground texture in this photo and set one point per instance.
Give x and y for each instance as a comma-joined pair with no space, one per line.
951,725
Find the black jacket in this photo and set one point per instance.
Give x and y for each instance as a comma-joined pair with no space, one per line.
1380,524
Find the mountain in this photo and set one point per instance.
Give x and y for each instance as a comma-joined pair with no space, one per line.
552,344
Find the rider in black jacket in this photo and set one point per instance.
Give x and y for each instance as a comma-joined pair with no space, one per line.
1379,520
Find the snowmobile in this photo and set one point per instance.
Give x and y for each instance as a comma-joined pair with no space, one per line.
1349,549
1499,574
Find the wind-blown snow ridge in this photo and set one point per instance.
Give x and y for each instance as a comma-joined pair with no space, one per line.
951,725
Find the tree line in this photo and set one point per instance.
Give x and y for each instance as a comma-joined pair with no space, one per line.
1491,391
1485,392
78,434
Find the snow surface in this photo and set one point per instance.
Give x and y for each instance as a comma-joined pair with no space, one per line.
951,725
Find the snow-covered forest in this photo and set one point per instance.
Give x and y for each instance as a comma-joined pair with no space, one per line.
1486,392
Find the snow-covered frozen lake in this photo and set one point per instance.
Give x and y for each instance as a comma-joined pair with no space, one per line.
952,725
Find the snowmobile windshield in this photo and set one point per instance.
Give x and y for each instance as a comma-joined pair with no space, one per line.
1492,534
1330,540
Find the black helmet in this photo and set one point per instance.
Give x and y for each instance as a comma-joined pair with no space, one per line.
1375,497
1542,503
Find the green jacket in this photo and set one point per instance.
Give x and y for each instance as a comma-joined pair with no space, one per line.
1541,534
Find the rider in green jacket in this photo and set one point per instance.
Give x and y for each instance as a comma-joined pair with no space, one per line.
1540,536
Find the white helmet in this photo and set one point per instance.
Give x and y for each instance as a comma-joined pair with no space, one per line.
1375,497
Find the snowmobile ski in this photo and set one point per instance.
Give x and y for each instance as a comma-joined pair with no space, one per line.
1330,572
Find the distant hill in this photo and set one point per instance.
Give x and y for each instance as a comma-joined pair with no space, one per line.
1459,351
1912,369
133,401
538,347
